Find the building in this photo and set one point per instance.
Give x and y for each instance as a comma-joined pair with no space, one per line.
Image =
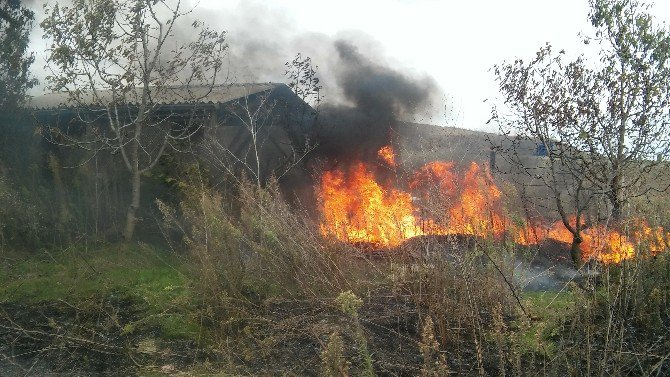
256,128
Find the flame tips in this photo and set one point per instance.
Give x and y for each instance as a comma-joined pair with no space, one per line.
387,154
358,209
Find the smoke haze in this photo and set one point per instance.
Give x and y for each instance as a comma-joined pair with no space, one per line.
375,97
365,92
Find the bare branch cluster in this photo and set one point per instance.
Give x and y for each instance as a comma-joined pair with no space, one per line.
137,91
604,126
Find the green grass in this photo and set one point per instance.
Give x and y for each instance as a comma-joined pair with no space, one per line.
155,281
77,273
548,304
547,310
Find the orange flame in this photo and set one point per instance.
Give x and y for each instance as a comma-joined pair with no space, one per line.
357,208
471,200
598,242
655,238
387,155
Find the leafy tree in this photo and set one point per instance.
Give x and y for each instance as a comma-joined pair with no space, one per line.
15,25
118,61
604,123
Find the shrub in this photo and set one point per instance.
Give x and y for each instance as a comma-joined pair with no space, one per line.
255,248
21,223
620,325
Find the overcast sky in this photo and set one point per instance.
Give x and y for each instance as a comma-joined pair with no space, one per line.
454,42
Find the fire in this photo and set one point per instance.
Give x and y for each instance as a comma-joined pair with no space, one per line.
614,247
476,212
471,200
387,155
598,242
358,208
656,238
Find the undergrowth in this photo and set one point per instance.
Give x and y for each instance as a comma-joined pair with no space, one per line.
253,288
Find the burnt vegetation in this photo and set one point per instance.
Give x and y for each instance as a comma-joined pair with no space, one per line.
283,234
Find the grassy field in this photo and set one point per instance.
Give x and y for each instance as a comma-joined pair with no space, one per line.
143,300
263,293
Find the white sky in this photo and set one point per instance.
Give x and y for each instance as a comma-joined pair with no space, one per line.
455,42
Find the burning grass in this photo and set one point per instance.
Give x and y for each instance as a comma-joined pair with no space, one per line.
258,287
359,207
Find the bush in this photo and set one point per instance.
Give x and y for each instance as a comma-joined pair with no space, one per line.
620,325
258,248
21,222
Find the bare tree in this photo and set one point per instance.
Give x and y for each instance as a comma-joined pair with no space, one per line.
273,124
257,116
604,126
304,80
122,67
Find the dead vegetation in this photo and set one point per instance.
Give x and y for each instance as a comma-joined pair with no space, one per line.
257,290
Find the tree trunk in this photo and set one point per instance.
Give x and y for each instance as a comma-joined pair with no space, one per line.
131,218
576,251
617,210
616,186
616,199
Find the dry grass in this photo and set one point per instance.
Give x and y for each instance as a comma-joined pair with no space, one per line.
267,294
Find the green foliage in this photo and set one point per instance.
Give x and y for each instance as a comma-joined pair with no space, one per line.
332,358
350,304
15,25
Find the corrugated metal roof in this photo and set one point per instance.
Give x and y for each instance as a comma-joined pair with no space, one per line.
165,96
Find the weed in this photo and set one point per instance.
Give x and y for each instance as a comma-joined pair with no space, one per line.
332,357
350,305
434,363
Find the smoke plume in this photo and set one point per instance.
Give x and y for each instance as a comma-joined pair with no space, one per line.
376,98
365,95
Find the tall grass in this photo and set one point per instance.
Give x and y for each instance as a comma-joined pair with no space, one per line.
258,247
437,305
620,323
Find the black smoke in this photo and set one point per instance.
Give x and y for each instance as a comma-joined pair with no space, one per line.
376,99
365,96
